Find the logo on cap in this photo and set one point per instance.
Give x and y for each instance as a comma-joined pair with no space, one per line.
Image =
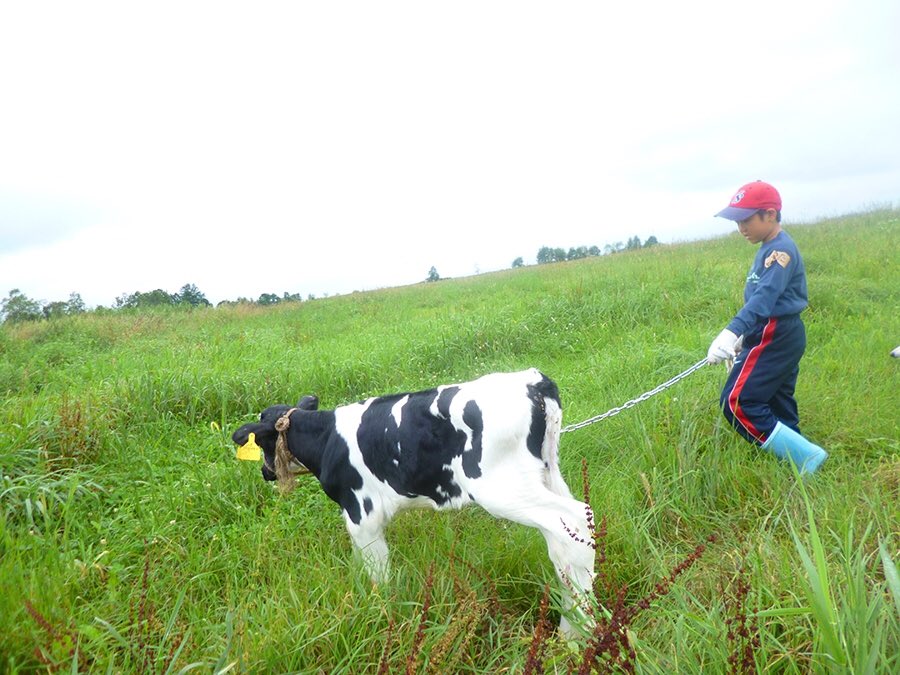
737,198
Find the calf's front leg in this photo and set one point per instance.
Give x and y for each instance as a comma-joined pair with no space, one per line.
368,540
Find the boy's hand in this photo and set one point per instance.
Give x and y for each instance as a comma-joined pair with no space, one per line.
722,347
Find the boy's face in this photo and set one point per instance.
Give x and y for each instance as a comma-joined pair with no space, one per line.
761,226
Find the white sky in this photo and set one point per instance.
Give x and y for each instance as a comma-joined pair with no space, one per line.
326,147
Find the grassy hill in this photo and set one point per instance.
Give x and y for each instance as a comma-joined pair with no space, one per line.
131,540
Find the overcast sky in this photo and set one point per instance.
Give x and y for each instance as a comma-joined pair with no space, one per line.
326,147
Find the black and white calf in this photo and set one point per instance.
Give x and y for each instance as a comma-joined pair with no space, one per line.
493,441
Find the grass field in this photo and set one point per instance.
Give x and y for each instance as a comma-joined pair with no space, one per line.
132,540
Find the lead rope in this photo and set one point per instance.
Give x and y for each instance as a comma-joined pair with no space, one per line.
633,402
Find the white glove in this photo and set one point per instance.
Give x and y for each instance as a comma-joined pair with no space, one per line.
738,347
722,347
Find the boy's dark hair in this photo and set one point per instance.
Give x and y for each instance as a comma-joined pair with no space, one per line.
777,214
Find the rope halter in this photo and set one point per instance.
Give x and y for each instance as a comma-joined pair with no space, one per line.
286,464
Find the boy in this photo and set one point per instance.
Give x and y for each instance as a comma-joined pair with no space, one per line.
758,397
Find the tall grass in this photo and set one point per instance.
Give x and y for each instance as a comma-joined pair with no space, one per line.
133,541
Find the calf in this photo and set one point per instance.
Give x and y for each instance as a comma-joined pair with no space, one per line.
493,442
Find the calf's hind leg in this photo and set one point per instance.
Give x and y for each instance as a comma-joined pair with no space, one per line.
563,522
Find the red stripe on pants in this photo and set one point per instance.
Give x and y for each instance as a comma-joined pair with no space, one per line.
746,370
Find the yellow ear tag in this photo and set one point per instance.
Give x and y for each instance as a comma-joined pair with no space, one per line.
250,451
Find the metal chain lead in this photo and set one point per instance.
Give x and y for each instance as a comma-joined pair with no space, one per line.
633,402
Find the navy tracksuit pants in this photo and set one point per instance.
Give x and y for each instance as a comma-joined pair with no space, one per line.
759,391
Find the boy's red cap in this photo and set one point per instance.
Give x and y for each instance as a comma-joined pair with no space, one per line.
749,199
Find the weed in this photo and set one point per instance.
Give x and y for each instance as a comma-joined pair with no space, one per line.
413,656
609,646
493,599
468,614
384,666
534,662
149,645
61,646
74,439
744,639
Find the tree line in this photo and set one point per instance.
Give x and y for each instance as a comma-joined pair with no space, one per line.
546,254
18,307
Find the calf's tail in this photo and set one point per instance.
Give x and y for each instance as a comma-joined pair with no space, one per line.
546,395
550,450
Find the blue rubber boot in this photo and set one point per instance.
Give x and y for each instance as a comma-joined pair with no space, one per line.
786,443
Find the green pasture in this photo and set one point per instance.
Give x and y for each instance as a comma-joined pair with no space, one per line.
132,540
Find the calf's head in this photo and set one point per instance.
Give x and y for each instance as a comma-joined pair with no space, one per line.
266,434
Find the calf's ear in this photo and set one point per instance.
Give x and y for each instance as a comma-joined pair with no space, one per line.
308,403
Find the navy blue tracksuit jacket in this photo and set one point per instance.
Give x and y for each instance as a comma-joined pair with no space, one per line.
759,391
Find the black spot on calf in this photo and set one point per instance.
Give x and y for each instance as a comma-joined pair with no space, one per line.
472,458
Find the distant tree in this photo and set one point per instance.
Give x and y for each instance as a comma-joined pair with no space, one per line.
124,300
547,254
651,241
156,298
291,297
59,308
268,299
18,307
75,305
633,243
191,295
518,262
577,253
55,310
234,303
433,275
550,255
138,300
